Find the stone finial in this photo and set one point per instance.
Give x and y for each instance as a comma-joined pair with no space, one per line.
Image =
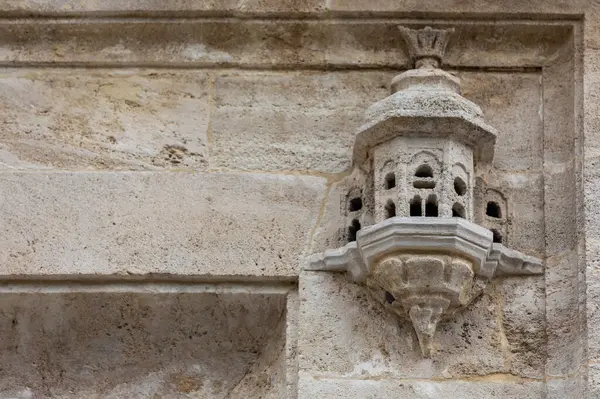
426,46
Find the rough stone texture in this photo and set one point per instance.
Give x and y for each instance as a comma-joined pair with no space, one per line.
522,310
344,332
156,222
291,121
138,345
281,86
380,389
263,44
81,119
481,8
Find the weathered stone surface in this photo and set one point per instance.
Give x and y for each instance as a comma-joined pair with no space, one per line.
591,183
560,7
566,388
522,313
333,388
593,391
344,332
116,345
299,118
511,104
158,222
145,7
278,121
364,43
485,7
525,195
103,119
562,313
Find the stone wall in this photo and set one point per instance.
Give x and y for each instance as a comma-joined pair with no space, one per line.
166,168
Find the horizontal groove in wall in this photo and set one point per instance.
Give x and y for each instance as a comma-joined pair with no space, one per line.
140,284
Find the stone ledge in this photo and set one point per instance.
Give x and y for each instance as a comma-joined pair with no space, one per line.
268,43
248,8
136,223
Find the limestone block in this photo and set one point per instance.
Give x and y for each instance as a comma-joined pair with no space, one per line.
511,104
263,43
287,6
525,195
27,7
569,388
565,348
184,7
291,344
560,95
208,43
593,391
345,333
103,119
324,388
134,345
156,222
575,7
522,315
593,298
293,121
560,208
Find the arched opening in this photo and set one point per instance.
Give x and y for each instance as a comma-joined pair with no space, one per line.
458,211
390,209
355,204
497,237
493,210
424,171
415,206
431,206
353,229
460,187
390,180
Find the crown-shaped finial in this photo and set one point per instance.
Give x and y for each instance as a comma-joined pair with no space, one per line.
426,46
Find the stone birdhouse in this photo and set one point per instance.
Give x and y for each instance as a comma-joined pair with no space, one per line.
419,252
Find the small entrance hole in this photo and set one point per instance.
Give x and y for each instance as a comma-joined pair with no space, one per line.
424,171
390,180
431,206
460,186
415,206
355,204
353,229
390,209
497,236
424,184
458,211
389,298
493,210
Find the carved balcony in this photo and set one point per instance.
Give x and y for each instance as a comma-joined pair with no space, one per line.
424,269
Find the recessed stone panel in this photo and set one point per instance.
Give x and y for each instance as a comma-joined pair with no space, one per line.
143,345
